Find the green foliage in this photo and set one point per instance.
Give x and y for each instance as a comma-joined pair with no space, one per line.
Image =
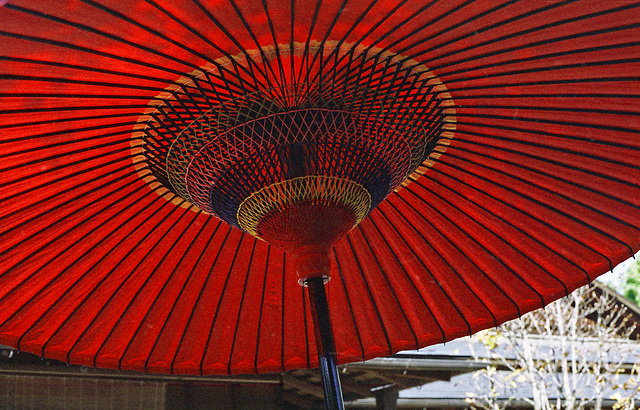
489,338
632,282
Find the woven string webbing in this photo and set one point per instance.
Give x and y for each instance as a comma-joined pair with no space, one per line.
322,189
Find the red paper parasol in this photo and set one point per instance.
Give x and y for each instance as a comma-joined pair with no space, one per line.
482,156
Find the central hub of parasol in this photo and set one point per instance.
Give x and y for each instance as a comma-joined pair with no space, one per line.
299,165
300,178
305,216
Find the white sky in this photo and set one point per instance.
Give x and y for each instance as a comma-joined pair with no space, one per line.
616,277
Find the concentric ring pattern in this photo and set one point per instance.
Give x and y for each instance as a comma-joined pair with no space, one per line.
531,190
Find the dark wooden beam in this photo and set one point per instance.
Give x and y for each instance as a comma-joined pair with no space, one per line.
386,397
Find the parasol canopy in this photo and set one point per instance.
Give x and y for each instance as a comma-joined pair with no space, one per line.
458,163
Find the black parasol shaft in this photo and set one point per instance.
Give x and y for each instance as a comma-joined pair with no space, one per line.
325,344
